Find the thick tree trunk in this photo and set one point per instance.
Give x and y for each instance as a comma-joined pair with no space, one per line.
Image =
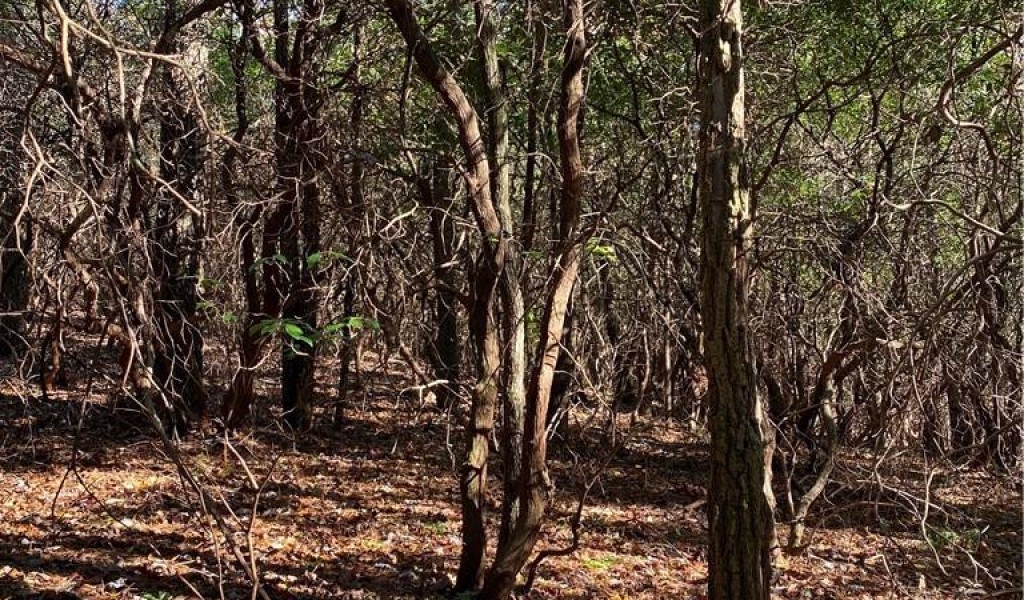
484,327
740,505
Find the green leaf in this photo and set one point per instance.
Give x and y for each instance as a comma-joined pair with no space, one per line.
314,259
265,327
318,259
279,259
602,251
305,340
293,331
332,328
357,322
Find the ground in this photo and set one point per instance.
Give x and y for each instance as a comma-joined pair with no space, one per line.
91,507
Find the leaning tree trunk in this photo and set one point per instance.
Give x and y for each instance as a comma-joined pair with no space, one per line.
740,503
534,485
488,269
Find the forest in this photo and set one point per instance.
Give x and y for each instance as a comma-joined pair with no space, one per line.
624,299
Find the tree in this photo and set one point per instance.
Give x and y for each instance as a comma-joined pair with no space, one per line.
15,225
176,240
740,506
291,271
534,484
513,312
488,269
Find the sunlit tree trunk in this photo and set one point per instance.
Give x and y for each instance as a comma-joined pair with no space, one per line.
740,504
486,273
534,484
513,311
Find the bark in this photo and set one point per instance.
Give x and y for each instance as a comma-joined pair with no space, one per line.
824,397
513,311
16,230
16,238
353,207
175,248
298,357
740,504
565,373
487,270
535,485
237,404
297,178
168,342
445,351
533,124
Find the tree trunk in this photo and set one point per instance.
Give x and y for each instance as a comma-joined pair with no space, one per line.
292,231
740,504
534,484
488,269
298,356
238,402
445,350
513,311
353,208
175,248
533,125
15,243
15,227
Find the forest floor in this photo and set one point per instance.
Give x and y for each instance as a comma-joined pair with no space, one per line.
90,507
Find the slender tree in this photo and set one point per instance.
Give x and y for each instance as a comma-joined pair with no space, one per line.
15,232
487,270
513,311
534,483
